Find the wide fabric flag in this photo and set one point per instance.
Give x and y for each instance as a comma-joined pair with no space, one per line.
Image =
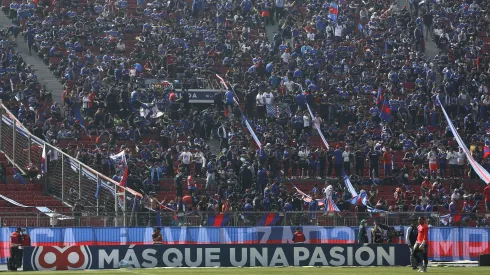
333,11
385,113
348,184
317,127
218,219
43,161
330,206
486,152
480,171
222,81
269,219
254,136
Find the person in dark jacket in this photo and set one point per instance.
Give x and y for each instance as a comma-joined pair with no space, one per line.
411,238
362,236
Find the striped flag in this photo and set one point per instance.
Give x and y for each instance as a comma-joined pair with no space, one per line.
486,152
269,219
317,127
480,171
330,206
222,81
43,161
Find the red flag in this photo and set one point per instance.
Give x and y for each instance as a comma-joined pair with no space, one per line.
486,152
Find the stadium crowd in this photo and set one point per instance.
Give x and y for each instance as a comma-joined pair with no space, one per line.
360,66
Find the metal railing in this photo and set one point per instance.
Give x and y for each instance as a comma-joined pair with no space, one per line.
66,178
230,219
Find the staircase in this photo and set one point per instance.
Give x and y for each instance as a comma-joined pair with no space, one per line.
43,74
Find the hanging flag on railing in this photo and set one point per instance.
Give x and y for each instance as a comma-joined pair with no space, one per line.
218,219
43,161
42,209
269,219
480,171
318,129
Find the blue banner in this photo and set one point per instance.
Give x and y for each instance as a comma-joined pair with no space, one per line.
149,256
446,243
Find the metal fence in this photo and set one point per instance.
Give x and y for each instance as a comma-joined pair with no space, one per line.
231,219
67,178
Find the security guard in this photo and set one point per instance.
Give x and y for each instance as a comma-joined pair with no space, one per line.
362,236
157,236
298,236
377,233
411,239
15,260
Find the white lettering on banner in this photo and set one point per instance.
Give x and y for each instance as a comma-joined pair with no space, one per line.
446,246
279,258
149,258
309,230
111,258
33,233
183,235
203,237
131,258
369,251
469,246
176,261
300,254
255,255
388,256
212,257
287,234
267,233
318,257
68,237
242,261
340,233
123,233
188,260
350,257
336,255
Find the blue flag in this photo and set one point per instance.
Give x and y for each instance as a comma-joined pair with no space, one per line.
17,176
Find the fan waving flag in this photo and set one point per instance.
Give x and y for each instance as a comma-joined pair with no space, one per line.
486,152
385,113
333,11
43,161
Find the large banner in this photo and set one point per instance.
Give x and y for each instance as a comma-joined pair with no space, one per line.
148,256
446,243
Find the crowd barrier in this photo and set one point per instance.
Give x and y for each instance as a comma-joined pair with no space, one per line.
446,243
148,256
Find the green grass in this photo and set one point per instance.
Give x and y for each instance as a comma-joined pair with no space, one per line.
274,271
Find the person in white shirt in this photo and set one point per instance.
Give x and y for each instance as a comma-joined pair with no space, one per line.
186,158
268,98
346,157
461,157
120,47
306,123
452,157
303,154
338,33
310,36
198,159
432,157
279,8
328,191
260,105
286,56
